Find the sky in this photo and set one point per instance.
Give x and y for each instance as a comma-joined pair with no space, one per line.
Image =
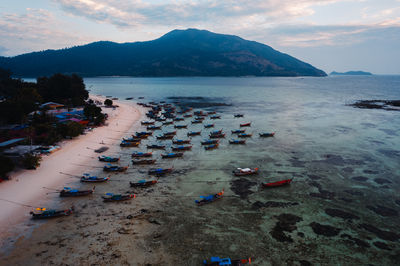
338,35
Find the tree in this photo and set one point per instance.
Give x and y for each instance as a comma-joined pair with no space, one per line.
108,102
6,165
31,161
73,129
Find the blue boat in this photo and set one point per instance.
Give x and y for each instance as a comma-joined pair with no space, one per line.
108,159
217,261
209,198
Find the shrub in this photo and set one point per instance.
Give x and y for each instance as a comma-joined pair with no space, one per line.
108,102
31,161
6,165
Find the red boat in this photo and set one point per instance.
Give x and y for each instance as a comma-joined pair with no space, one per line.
278,183
245,124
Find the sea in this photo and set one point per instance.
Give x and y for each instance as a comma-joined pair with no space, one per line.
342,207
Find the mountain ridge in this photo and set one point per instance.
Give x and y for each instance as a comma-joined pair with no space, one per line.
188,52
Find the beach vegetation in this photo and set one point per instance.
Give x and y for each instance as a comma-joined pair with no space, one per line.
30,161
108,102
6,165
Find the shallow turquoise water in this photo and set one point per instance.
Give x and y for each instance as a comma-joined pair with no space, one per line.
325,144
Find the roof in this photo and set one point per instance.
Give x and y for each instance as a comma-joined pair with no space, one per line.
10,142
51,103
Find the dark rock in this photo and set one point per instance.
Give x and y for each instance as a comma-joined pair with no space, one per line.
286,223
381,245
305,263
154,221
273,204
129,217
314,177
315,184
377,104
300,234
354,192
338,160
325,230
382,181
241,187
382,210
341,214
348,170
359,242
360,178
323,194
389,132
370,172
123,231
397,202
346,199
389,153
296,162
385,235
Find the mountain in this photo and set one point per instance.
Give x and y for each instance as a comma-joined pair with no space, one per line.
188,52
352,73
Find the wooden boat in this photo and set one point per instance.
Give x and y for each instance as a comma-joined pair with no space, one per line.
160,119
245,135
168,123
277,183
199,113
209,141
172,155
180,126
199,118
173,133
245,124
182,148
179,119
93,179
211,112
215,136
155,146
141,154
142,135
193,133
237,141
68,192
129,144
209,126
245,171
238,115
266,135
47,214
143,183
188,115
215,117
217,261
181,141
238,131
145,123
114,168
153,127
110,197
163,137
216,132
160,171
144,161
108,159
197,121
209,198
211,147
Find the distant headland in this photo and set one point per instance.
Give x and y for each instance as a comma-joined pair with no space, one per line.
190,52
351,73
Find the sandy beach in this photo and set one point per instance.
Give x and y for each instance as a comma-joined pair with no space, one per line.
28,186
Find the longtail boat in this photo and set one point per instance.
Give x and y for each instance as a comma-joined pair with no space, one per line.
172,155
181,141
156,146
211,112
238,115
215,136
216,132
108,159
238,131
188,115
209,141
153,127
46,214
199,113
129,144
217,261
168,123
93,179
182,148
163,137
245,171
194,133
143,134
143,183
141,154
199,118
68,192
173,133
237,141
114,168
132,139
209,126
145,123
277,183
197,121
245,135
215,117
209,198
144,161
180,126
160,171
110,197
245,124
266,135
179,119
211,147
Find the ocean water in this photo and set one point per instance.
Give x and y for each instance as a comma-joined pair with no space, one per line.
343,205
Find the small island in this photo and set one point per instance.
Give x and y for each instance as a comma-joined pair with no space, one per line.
351,73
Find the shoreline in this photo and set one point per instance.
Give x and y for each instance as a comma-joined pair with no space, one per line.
27,186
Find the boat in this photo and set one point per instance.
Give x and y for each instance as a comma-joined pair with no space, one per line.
194,133
143,183
46,214
153,127
197,121
238,131
168,123
199,113
245,135
217,261
132,139
142,135
215,136
266,135
129,144
110,197
95,179
128,98
277,183
209,126
237,141
160,171
238,115
172,155
209,141
181,141
209,198
108,159
163,137
144,161
145,123
68,192
215,117
180,126
211,147
179,119
245,171
216,132
211,112
188,115
199,118
156,146
182,148
141,154
114,168
245,124
169,133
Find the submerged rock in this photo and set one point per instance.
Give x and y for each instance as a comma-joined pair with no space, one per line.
381,245
382,181
346,199
286,223
242,187
354,192
378,104
341,214
385,235
370,172
305,263
314,177
325,230
382,210
323,194
273,204
360,178
358,242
